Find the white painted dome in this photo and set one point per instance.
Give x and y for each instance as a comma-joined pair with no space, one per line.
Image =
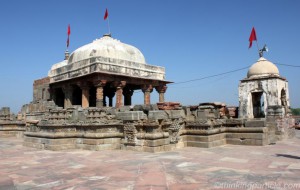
110,48
262,67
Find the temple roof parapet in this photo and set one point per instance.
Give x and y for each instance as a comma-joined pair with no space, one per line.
106,65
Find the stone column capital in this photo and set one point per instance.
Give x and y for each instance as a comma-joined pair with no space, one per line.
161,88
119,84
100,83
147,88
83,85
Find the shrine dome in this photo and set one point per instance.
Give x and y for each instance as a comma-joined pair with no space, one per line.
262,68
110,48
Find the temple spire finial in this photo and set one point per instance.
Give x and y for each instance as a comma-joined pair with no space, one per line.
261,51
67,55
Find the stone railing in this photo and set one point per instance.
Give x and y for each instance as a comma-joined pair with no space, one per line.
57,116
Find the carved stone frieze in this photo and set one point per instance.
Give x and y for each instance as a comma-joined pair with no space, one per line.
174,129
130,133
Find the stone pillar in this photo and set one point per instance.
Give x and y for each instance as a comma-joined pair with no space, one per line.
85,96
99,93
147,89
127,92
119,93
68,90
161,89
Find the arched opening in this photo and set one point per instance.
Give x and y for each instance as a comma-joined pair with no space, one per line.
59,97
92,97
258,105
77,96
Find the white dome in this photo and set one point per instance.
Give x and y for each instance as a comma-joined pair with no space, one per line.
262,67
108,47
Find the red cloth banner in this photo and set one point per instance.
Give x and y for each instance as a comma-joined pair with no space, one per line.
69,32
106,14
252,37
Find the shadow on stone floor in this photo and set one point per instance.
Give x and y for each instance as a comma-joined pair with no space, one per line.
288,156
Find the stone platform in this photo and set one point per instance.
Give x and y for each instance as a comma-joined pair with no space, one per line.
145,128
225,167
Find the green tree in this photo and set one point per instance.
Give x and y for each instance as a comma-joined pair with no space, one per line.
295,111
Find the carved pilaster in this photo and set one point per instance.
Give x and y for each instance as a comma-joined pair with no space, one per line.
147,89
130,133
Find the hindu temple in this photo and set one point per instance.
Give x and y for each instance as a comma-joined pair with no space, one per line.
85,102
97,72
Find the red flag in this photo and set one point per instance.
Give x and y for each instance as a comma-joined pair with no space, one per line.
69,32
106,14
252,37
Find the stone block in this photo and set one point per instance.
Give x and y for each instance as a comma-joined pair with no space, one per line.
158,142
111,141
204,114
153,149
259,136
255,123
59,147
131,116
175,114
234,122
206,144
111,111
157,115
169,105
125,108
92,141
239,141
98,147
145,108
198,138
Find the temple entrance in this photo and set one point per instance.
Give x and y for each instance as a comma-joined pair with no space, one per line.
59,97
258,105
77,96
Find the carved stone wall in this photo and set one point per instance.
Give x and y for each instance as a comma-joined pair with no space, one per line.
148,129
41,89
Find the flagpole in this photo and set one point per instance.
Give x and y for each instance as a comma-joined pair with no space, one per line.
108,26
257,47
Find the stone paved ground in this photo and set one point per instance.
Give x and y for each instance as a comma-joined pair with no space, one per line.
227,167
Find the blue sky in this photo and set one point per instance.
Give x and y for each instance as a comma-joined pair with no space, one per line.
190,38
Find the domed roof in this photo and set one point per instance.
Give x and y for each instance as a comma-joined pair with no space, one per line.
262,67
107,47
